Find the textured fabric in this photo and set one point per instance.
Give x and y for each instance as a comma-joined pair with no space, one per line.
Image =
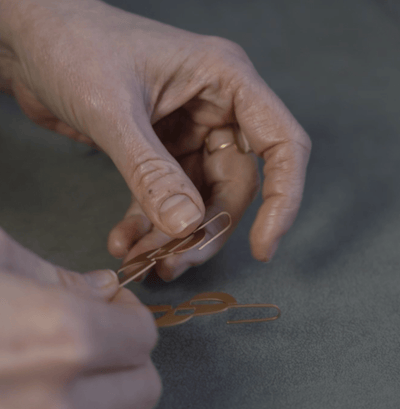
336,64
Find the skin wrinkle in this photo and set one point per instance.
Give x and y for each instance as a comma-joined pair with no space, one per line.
279,170
277,157
272,131
222,87
249,107
203,105
169,104
146,92
141,170
166,84
289,143
163,105
201,75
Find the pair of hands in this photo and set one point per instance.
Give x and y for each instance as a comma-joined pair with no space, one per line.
148,95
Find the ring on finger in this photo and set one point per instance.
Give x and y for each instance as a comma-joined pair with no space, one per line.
237,139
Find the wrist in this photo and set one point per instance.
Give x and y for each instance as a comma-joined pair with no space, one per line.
26,24
23,21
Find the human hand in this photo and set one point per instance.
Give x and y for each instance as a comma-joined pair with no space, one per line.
69,340
148,95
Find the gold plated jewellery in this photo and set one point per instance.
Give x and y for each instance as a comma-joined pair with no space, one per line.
194,308
238,140
199,304
140,264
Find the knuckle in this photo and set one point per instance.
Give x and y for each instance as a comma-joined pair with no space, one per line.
299,135
151,170
306,142
225,45
68,279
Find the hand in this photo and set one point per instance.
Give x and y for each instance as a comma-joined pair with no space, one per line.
148,95
69,340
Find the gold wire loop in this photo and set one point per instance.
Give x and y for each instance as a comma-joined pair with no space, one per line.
143,262
224,302
218,234
275,317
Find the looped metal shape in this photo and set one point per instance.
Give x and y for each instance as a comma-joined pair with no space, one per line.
218,234
143,262
275,317
224,302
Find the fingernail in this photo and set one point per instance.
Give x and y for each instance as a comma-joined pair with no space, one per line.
178,212
101,278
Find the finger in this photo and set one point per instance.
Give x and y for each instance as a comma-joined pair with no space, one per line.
23,262
125,297
60,333
128,231
172,267
193,165
182,138
234,182
138,388
165,193
152,240
232,175
113,335
180,134
276,136
136,225
98,284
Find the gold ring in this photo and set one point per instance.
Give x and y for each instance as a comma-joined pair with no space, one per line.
244,147
220,147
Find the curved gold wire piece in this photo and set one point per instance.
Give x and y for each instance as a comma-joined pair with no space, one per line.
223,303
275,317
135,267
218,234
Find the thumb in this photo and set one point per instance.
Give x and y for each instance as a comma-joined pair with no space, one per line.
164,191
98,284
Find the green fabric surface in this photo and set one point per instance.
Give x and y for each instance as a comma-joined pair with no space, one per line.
336,274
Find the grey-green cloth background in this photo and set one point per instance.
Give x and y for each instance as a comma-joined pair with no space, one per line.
336,64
